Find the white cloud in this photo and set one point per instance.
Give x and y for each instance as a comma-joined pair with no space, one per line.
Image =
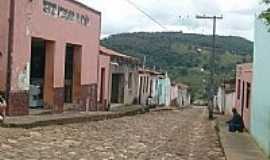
119,16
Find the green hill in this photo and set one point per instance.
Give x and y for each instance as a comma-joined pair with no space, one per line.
184,55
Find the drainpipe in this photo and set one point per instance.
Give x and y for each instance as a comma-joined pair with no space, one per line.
10,49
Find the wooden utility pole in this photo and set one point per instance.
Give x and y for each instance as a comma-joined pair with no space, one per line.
212,63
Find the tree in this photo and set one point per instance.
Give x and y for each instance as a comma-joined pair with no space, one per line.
266,14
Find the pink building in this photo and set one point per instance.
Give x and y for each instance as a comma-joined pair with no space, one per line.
174,94
104,80
180,96
48,54
225,98
243,91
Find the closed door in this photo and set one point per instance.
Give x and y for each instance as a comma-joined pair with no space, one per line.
115,88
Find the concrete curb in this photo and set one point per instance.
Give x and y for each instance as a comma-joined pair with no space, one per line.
217,128
72,120
165,109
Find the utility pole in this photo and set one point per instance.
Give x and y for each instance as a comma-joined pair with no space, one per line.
212,63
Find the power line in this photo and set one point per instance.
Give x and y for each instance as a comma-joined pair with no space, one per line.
146,14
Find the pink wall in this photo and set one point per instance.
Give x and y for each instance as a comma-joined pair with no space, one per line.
104,62
244,74
174,92
4,14
31,21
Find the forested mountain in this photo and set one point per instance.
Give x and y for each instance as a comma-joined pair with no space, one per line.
184,55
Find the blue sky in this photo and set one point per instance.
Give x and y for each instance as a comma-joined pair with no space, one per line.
119,16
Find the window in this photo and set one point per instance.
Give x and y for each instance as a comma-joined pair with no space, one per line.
130,80
238,89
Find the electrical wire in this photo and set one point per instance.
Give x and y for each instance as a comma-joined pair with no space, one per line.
146,14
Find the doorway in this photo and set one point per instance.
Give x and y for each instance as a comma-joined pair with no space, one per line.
140,90
248,95
243,99
69,64
117,95
102,85
37,73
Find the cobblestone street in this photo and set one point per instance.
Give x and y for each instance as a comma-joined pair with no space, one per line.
166,135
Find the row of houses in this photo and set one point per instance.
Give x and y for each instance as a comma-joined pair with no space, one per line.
249,92
51,58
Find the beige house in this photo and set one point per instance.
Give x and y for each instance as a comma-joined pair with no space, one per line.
123,78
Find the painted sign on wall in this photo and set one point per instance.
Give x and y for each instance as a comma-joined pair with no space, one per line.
58,11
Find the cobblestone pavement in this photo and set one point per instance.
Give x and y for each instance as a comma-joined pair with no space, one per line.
167,135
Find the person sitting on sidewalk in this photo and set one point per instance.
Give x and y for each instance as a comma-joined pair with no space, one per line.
236,123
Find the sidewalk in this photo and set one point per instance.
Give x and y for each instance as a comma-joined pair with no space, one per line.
238,146
32,121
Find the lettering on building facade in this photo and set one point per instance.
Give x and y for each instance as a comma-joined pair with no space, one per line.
55,10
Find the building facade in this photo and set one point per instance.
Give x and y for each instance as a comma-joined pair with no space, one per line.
147,86
174,94
48,54
163,90
229,102
184,97
225,98
260,111
243,91
123,78
144,89
104,81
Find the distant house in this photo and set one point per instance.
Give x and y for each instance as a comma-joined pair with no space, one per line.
104,75
225,98
174,94
184,97
156,86
147,86
128,84
243,91
260,108
123,78
163,90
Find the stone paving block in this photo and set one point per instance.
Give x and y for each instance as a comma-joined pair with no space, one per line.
168,135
